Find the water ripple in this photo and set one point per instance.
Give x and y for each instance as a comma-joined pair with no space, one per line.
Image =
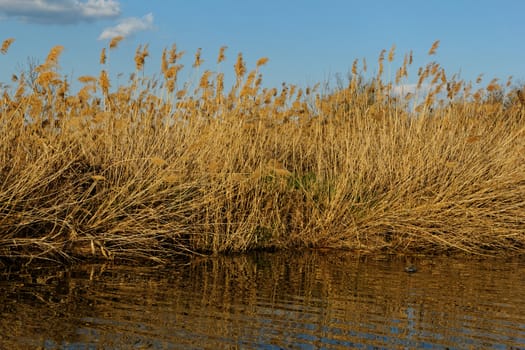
269,301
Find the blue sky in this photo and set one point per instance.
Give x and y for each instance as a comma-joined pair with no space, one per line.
307,41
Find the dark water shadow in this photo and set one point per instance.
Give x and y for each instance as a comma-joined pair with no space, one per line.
292,300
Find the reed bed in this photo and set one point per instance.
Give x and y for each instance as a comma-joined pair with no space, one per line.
158,168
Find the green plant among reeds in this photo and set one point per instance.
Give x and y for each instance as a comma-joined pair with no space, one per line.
158,168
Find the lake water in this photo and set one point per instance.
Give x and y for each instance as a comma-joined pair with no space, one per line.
291,300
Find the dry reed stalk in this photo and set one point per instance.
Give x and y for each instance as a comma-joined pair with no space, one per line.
222,171
521,96
103,82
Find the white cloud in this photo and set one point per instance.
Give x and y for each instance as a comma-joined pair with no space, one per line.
59,11
101,8
128,26
403,89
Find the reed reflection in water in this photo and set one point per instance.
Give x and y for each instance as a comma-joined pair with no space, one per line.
304,300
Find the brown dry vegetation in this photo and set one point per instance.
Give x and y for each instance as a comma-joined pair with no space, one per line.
157,168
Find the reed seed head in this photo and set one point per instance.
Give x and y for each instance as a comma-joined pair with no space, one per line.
115,41
240,68
6,44
262,61
391,53
198,60
433,48
103,56
221,56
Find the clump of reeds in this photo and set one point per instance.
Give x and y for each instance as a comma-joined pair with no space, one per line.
156,168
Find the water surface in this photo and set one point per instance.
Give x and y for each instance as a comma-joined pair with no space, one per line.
307,300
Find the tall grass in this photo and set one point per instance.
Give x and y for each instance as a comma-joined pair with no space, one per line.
157,168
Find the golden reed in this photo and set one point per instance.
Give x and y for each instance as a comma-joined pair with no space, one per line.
155,167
